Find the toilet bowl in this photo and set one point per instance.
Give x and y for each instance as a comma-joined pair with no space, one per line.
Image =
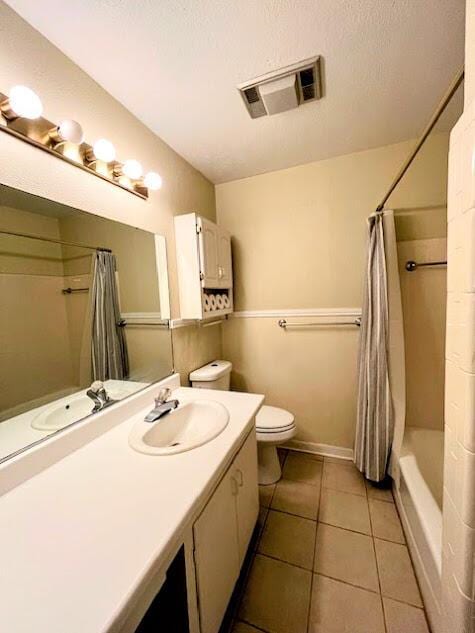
274,426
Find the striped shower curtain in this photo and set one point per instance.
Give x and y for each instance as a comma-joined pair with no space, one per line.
374,426
108,347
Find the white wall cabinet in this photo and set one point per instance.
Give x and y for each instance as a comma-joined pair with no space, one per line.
222,533
204,266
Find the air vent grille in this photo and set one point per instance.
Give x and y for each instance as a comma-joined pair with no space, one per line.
252,95
308,86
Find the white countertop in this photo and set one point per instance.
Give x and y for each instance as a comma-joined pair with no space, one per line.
78,540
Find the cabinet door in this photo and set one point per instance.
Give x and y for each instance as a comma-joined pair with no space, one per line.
208,245
245,470
225,272
217,554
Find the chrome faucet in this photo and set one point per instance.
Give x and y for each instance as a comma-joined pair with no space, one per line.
99,396
162,406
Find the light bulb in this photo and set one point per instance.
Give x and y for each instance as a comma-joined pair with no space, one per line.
152,181
25,103
133,169
104,150
71,131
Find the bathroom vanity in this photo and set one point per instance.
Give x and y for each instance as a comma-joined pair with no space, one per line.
102,531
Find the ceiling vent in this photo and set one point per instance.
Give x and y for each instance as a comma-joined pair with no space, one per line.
283,89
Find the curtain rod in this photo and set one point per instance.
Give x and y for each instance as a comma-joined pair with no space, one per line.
427,130
51,239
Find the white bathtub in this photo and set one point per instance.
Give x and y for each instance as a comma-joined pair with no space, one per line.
419,500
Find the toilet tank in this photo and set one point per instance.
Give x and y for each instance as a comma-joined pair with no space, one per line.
215,375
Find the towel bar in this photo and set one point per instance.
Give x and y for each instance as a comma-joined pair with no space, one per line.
284,324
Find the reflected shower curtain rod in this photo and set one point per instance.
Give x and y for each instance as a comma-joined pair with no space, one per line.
54,241
428,129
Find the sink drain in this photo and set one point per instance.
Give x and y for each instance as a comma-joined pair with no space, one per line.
174,444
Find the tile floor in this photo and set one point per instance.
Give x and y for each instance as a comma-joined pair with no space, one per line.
329,557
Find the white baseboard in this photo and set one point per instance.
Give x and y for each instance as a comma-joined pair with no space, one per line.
326,450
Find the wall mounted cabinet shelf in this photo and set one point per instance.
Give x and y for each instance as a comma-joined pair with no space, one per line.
204,264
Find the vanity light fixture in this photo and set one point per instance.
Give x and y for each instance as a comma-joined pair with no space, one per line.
21,102
68,131
132,169
152,181
101,150
22,111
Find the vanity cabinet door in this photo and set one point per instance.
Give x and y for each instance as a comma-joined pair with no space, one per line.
247,499
225,271
217,553
208,246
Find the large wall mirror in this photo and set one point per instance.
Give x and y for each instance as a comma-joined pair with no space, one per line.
83,302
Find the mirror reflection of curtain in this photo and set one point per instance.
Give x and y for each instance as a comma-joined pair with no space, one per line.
108,346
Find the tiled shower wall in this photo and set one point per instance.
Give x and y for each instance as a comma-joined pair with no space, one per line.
459,476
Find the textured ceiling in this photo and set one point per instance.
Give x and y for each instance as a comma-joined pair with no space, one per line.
176,63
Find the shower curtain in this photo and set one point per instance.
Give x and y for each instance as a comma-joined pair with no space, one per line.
375,420
108,347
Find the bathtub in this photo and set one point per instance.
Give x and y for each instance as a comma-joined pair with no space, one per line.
419,501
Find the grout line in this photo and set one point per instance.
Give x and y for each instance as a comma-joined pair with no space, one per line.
286,562
377,570
254,626
299,516
314,551
386,540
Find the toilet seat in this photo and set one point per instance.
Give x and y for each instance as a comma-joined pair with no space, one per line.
274,420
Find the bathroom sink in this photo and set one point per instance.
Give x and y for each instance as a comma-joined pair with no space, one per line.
191,425
57,416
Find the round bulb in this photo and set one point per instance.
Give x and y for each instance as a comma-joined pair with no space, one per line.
133,169
152,181
104,150
25,103
71,131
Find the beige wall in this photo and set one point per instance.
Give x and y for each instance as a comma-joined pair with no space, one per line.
424,297
66,91
299,242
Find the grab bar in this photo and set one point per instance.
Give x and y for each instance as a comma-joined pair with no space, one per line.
284,324
411,265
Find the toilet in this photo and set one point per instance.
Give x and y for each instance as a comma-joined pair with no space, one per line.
274,426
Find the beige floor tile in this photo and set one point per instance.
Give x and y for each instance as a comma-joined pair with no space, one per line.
344,477
375,492
296,498
385,521
340,608
277,596
347,556
265,495
345,510
402,618
396,573
289,538
242,627
298,467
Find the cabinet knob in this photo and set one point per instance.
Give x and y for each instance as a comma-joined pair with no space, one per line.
239,478
234,486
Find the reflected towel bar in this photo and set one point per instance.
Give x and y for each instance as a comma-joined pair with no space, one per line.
412,265
69,291
124,323
284,324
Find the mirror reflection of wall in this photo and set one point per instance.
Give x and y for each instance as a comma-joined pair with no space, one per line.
78,305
